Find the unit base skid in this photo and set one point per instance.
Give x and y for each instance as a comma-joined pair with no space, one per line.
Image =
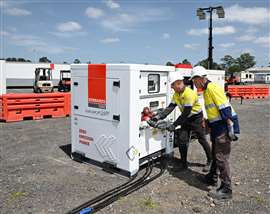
112,168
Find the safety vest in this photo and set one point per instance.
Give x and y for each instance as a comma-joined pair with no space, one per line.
214,101
188,98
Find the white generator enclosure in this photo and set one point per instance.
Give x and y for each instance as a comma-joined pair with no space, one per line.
107,105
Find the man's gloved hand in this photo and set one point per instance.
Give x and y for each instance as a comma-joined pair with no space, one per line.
231,134
171,127
152,123
156,118
161,124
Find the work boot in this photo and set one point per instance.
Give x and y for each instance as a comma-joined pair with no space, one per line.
179,167
223,192
184,165
221,186
207,167
211,179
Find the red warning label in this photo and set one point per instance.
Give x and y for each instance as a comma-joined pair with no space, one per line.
84,138
97,86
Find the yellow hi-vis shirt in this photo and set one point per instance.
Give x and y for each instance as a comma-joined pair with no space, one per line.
215,100
188,98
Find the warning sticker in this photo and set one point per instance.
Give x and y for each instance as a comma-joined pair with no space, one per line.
84,138
97,86
132,152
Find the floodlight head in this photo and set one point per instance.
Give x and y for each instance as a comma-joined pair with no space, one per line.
220,12
201,14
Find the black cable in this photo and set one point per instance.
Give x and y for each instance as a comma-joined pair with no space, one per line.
113,191
124,190
132,185
127,191
102,196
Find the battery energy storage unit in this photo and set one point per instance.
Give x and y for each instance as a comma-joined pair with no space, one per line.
108,103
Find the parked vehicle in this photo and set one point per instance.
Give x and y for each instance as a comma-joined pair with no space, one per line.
64,82
43,80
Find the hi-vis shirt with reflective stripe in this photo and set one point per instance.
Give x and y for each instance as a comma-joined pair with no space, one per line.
214,101
188,98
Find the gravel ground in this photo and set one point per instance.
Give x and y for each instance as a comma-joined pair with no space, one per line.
38,176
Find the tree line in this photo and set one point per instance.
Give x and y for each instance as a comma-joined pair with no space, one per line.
228,63
43,59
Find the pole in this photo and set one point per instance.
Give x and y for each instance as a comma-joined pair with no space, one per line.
210,47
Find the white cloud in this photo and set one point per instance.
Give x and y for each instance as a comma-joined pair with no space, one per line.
52,49
246,50
251,30
263,41
191,46
245,38
112,4
68,34
17,12
26,40
224,30
4,33
129,20
37,44
69,26
3,3
227,45
94,13
166,36
248,15
120,22
109,40
197,32
217,30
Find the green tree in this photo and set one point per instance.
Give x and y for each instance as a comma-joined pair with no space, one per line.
185,61
11,59
76,61
233,69
246,61
204,63
169,64
228,61
44,59
21,60
230,65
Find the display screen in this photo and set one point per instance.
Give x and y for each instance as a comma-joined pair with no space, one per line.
153,83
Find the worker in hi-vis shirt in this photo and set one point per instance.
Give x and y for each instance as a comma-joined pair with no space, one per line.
190,119
223,123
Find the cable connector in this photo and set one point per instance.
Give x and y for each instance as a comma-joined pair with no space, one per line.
86,210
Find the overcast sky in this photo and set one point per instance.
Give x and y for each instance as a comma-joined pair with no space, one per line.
131,31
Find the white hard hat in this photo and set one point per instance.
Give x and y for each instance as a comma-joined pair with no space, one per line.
173,76
198,71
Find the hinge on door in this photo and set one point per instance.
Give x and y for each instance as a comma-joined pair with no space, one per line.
76,107
116,117
116,83
76,83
